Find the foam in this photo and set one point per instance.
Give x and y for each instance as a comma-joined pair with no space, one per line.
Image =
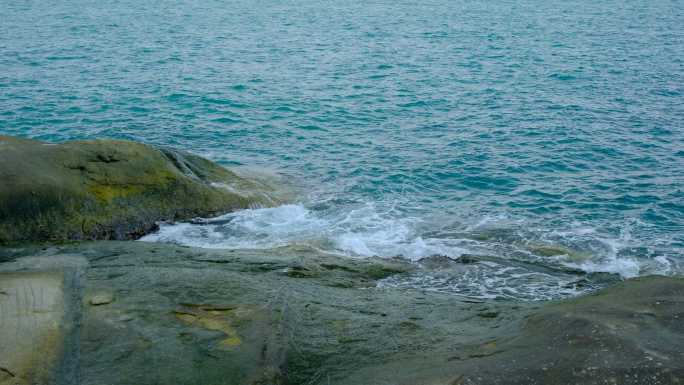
362,232
511,268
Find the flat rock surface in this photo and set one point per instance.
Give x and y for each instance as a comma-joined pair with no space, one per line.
31,330
296,316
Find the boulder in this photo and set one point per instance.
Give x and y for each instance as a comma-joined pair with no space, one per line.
109,189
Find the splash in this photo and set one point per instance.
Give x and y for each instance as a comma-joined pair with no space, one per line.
368,229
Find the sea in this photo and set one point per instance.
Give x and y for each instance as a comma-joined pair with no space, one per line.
540,141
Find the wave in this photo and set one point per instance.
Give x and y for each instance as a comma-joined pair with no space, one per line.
365,231
359,232
515,259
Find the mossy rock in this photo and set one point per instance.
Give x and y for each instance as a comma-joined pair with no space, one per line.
109,189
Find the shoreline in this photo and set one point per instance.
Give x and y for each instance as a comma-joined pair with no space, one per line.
127,312
297,316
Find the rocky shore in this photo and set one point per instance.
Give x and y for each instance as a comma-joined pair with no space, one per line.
74,311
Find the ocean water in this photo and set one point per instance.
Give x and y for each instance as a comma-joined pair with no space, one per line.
543,138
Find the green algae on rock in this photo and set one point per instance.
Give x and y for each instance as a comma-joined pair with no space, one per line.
109,189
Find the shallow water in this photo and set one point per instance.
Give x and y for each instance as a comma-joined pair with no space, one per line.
545,132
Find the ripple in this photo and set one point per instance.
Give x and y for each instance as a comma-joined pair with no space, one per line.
522,114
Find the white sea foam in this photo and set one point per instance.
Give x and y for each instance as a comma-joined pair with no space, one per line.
247,229
493,281
360,232
364,230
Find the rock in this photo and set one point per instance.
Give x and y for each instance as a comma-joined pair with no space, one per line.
549,250
467,259
630,333
299,272
109,189
212,318
101,299
488,314
31,335
192,316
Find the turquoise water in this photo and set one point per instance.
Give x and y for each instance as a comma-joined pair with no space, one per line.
543,135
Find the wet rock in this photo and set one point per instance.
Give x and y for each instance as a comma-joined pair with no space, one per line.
190,316
109,189
488,314
550,250
102,298
380,269
299,272
630,333
211,319
468,259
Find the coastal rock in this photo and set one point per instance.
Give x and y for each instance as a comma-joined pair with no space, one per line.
109,189
196,316
32,307
102,298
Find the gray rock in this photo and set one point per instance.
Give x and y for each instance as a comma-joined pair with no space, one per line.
189,316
